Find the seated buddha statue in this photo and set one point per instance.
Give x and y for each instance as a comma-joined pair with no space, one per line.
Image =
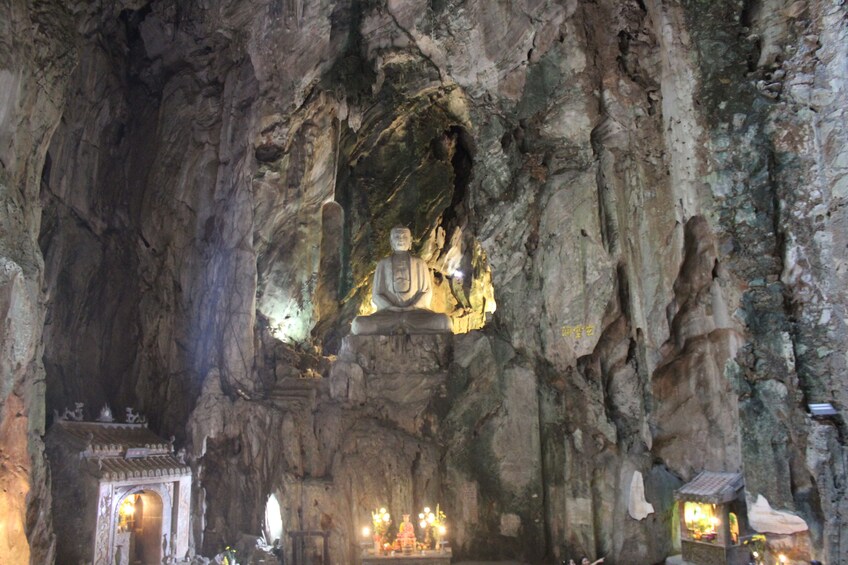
406,535
401,294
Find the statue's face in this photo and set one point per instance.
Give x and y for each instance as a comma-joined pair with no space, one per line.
401,239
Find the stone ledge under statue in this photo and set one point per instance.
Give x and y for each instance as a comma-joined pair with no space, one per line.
392,322
399,377
401,293
398,354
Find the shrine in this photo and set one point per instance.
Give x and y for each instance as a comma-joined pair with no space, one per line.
407,549
712,515
120,493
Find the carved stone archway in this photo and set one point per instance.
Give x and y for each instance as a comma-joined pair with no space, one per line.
163,491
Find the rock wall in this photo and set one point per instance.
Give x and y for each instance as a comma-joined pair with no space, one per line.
37,50
654,190
774,176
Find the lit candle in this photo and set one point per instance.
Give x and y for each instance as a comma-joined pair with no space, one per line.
366,531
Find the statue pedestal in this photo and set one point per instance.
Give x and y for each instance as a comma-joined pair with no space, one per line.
398,376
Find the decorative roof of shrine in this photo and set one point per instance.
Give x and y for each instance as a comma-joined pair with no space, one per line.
114,451
103,439
153,466
711,488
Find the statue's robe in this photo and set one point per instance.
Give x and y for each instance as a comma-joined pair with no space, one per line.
401,281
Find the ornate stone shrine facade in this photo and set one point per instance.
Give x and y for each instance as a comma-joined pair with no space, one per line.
120,494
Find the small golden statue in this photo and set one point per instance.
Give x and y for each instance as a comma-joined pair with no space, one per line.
406,535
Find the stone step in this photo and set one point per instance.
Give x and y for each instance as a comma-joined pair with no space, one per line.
293,389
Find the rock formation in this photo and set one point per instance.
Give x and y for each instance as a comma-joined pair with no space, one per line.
195,195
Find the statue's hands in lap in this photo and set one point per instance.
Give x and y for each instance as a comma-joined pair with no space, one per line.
416,302
392,304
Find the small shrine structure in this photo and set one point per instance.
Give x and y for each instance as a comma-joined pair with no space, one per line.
712,515
406,549
120,493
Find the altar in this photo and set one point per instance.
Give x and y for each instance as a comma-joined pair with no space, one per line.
425,557
407,548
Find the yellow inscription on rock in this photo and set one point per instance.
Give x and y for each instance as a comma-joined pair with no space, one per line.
577,332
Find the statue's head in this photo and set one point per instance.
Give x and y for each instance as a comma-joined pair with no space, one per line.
401,239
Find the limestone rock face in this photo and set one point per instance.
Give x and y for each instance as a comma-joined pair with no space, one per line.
195,195
396,376
764,518
36,59
695,399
